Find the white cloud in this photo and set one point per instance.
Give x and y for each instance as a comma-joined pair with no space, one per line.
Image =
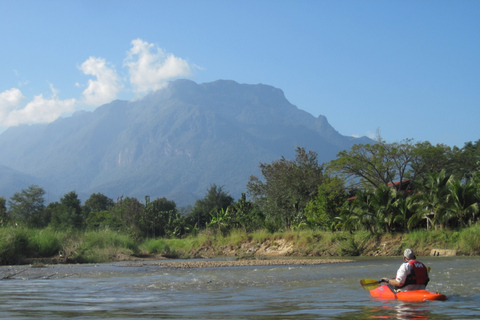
149,69
39,110
368,134
152,70
372,135
9,101
105,88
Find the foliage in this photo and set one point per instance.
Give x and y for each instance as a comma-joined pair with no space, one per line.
158,246
245,215
463,203
45,243
438,188
127,216
321,212
103,220
446,202
3,212
68,213
27,207
13,245
373,165
287,188
469,240
215,200
220,221
160,218
98,246
17,244
97,202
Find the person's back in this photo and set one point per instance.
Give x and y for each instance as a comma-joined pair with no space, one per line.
412,274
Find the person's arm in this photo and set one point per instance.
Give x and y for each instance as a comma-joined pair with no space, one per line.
395,282
401,276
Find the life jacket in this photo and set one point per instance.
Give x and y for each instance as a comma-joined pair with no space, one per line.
418,274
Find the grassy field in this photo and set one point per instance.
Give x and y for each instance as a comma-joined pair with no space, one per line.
21,245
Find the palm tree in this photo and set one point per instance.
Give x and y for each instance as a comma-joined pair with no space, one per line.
463,201
404,207
376,209
431,202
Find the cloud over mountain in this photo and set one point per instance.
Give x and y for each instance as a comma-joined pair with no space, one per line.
149,69
106,87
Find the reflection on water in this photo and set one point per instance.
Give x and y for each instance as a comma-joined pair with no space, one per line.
401,310
136,291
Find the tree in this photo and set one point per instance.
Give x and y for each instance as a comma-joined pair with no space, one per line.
220,221
429,158
374,165
96,203
215,200
128,213
103,219
159,217
463,202
469,160
403,206
68,213
321,212
287,188
3,212
27,206
431,203
246,215
376,208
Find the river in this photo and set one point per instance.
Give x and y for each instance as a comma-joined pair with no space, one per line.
135,290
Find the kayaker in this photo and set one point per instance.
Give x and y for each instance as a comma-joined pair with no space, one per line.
412,274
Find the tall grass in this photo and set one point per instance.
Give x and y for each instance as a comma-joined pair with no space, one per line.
17,244
469,240
13,245
99,246
45,242
158,246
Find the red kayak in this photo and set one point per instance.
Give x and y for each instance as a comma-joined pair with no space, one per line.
384,292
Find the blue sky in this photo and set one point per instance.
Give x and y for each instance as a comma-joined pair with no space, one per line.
406,69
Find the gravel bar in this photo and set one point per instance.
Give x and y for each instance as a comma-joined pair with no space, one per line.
244,263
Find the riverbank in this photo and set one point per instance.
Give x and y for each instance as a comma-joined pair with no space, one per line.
27,246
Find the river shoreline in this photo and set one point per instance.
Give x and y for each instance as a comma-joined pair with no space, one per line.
257,249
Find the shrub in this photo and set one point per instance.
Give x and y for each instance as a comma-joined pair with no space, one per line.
44,243
13,245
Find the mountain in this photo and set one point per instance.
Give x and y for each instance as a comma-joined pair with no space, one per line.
175,142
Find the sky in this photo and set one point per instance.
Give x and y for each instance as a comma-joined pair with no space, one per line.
402,69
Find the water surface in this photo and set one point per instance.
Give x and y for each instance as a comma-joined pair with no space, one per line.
137,291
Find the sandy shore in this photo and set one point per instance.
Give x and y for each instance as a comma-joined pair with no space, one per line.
242,263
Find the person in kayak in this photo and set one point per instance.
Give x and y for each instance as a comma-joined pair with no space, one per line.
412,274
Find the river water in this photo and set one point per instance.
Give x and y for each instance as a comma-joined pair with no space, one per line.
141,291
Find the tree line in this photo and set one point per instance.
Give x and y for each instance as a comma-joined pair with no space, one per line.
379,187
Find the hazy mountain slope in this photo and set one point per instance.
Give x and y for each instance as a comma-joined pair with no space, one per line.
12,181
175,142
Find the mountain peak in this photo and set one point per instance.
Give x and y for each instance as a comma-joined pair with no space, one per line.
175,142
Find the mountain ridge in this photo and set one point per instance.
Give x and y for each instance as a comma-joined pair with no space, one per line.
174,142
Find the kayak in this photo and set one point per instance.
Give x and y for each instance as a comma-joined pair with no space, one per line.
384,292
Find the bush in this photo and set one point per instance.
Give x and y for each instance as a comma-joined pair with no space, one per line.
159,246
470,240
98,246
13,245
44,243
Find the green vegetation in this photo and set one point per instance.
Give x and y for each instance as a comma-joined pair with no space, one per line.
31,246
428,194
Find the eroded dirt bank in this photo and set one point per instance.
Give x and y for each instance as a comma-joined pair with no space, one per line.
267,252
